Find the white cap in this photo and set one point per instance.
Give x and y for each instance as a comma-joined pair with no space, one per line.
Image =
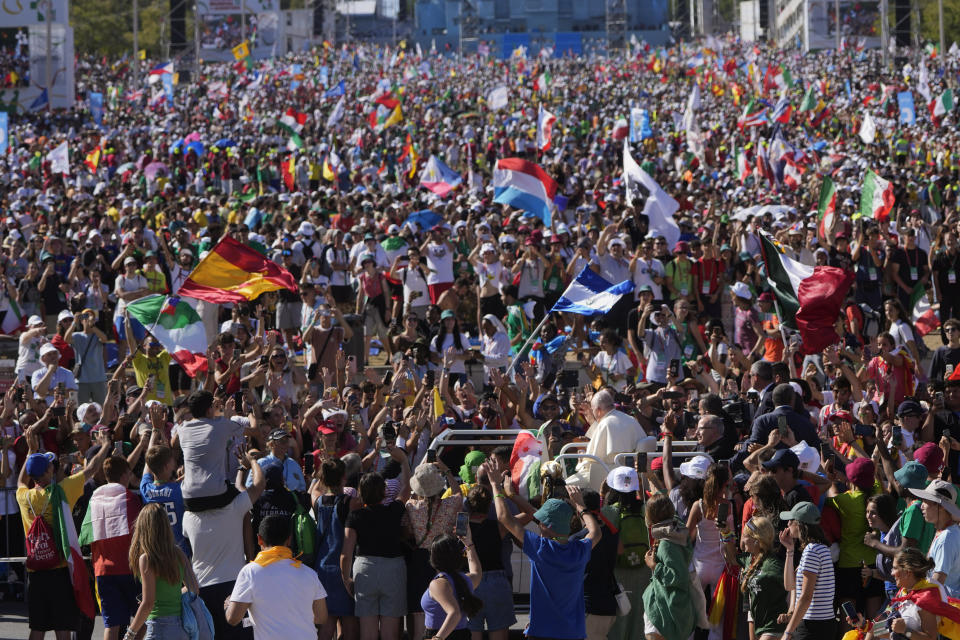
306,229
65,315
487,247
35,321
129,260
48,348
623,479
808,456
741,290
393,229
696,467
82,409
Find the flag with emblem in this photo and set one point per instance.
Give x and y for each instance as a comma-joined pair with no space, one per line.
175,324
527,451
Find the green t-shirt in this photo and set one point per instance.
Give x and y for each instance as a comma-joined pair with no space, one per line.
912,525
682,276
768,598
852,508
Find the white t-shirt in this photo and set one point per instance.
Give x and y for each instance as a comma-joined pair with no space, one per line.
901,333
216,537
289,616
413,281
60,375
618,364
28,356
644,272
440,260
440,349
491,277
126,285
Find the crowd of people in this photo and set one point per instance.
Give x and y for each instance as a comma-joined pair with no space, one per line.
295,486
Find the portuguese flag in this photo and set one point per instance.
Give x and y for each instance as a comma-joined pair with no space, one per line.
175,324
809,298
827,209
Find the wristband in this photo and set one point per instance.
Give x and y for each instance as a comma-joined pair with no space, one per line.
500,495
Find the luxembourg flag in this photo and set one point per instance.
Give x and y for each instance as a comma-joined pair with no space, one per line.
524,185
545,121
589,294
439,178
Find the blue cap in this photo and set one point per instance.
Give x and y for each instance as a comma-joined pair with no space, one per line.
555,514
37,463
912,475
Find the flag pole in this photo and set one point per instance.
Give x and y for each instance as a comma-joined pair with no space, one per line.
529,341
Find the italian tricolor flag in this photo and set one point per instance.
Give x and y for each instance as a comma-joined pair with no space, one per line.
174,322
876,199
294,141
943,104
809,298
743,167
827,208
922,314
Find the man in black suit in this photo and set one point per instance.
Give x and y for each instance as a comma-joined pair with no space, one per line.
783,399
761,380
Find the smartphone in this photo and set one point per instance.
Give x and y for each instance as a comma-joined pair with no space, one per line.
896,437
118,448
431,455
429,378
938,396
463,521
238,401
674,368
58,411
60,388
641,464
264,360
782,427
308,465
946,433
849,610
723,512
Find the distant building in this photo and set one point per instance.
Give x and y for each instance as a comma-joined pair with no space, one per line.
504,25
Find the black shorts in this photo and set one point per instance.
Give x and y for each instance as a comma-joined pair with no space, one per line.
850,586
341,293
816,630
179,380
50,601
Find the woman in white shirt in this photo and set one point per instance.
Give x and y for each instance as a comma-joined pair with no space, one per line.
416,295
129,286
451,337
495,344
900,329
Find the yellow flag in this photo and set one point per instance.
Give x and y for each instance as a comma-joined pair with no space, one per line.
241,51
176,78
395,118
438,408
142,54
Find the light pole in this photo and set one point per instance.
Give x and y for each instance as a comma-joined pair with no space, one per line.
136,48
943,50
48,67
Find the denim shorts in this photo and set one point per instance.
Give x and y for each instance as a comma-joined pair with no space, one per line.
497,595
380,586
165,628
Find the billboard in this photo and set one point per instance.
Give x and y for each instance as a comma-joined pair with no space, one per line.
859,23
219,34
236,7
25,13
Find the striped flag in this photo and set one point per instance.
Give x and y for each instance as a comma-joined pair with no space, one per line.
876,198
922,314
526,186
527,451
175,324
827,206
545,121
108,524
234,272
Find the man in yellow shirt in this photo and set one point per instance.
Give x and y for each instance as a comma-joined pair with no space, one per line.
50,595
152,369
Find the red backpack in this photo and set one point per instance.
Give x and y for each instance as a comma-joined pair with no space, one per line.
42,553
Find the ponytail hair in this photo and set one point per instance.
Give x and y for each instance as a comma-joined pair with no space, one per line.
446,556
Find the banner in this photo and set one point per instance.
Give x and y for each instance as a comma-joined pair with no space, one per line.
21,13
233,7
908,114
4,131
95,104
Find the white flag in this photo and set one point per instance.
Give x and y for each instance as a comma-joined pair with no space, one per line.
336,114
954,50
923,83
545,121
693,102
498,98
59,159
660,205
868,129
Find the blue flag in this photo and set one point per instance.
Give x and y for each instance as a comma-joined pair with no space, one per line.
336,91
908,114
589,294
41,101
167,80
4,131
295,70
95,101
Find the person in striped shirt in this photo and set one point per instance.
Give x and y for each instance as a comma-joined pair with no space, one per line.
811,583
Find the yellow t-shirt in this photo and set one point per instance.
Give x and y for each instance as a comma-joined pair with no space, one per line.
464,490
31,501
144,366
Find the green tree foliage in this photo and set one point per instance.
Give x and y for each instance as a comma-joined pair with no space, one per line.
106,26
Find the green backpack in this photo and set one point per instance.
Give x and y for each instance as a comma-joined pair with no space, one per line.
634,537
304,535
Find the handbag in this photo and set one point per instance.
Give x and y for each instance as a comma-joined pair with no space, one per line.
195,618
623,600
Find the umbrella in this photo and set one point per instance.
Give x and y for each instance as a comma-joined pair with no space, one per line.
196,147
424,219
128,166
193,137
154,169
176,146
224,142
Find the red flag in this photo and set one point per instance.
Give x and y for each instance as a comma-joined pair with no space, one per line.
821,299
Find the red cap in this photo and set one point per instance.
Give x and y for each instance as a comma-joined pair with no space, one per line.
656,464
327,427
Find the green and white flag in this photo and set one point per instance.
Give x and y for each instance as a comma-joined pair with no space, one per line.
876,198
295,141
174,322
809,100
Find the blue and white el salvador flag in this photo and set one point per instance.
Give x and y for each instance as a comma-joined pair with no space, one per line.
4,131
589,294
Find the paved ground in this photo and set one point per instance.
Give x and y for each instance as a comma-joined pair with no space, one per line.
13,623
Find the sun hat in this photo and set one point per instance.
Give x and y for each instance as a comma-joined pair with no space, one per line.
912,475
942,493
555,514
930,456
427,481
861,472
695,468
623,479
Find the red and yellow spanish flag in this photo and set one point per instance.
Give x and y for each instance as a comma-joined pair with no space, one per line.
233,272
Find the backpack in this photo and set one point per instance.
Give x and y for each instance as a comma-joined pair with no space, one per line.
304,534
326,269
634,537
42,552
308,249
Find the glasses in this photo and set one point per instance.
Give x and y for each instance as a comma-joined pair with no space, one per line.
952,329
660,242
278,356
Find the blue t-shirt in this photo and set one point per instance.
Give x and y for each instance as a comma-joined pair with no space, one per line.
557,607
89,352
945,553
170,496
292,473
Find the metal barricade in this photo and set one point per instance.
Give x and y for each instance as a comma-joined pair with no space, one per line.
580,456
621,458
491,439
570,446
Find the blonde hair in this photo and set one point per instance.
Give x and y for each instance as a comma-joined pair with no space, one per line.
760,529
153,537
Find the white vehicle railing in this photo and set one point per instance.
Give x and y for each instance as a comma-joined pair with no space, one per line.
493,438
